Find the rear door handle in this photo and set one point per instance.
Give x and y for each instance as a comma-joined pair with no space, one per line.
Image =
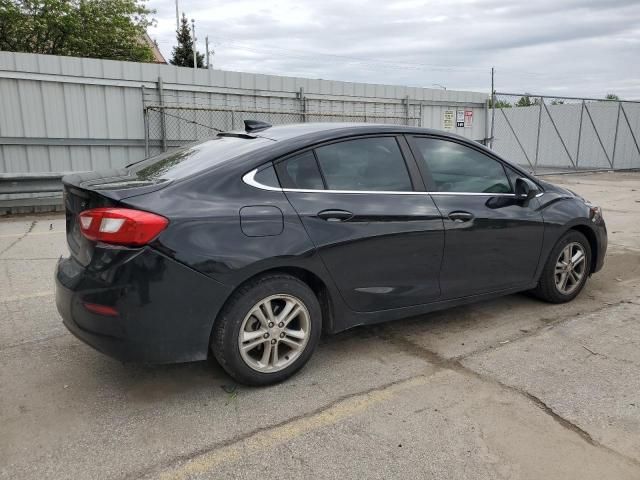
461,216
335,215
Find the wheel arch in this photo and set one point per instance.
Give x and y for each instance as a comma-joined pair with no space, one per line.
588,232
312,280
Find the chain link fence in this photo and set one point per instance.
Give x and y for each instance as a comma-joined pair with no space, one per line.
556,134
172,125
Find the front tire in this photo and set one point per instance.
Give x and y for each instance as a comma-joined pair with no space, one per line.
268,330
566,270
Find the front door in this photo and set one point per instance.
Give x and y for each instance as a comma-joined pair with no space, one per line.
492,242
380,239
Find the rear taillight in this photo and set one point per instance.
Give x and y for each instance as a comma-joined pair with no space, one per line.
121,226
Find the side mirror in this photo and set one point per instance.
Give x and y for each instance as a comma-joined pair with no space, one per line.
525,189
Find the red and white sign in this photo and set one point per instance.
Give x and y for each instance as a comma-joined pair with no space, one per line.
468,118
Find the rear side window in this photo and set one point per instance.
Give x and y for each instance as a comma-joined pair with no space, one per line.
457,168
301,171
267,177
373,164
194,159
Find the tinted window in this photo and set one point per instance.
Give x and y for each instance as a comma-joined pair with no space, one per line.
364,164
267,177
457,168
513,176
302,172
191,160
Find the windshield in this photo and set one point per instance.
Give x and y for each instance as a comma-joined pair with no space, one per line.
193,159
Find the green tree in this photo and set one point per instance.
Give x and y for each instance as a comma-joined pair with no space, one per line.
182,54
611,96
500,104
111,29
525,101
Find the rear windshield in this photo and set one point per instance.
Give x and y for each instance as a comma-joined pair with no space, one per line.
188,161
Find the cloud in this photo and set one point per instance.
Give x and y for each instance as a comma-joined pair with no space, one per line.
570,47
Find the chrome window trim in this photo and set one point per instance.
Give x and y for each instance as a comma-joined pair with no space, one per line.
249,179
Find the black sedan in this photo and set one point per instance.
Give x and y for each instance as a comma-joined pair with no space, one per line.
252,244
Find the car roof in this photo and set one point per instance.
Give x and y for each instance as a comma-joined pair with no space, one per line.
294,130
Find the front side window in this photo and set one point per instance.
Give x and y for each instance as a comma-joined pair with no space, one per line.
457,168
374,164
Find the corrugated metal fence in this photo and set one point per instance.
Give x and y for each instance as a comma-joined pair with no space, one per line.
61,114
556,134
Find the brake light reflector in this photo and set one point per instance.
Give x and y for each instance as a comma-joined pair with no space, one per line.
105,310
121,226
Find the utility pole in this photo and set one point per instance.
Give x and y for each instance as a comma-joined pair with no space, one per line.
177,18
206,45
492,89
193,33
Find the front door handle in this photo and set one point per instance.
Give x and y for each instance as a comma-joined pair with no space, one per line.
335,215
460,217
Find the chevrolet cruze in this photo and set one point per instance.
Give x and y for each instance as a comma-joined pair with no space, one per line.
250,245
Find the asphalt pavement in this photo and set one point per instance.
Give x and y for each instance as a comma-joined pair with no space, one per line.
511,388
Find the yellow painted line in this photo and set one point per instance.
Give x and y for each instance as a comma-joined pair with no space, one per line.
16,298
14,235
206,462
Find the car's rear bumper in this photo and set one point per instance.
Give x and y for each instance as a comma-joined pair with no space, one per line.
165,310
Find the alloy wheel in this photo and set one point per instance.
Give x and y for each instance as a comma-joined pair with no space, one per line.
570,268
274,333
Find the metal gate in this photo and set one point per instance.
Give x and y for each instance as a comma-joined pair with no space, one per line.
557,134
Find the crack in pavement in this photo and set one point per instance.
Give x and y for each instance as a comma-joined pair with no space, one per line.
17,240
547,325
455,364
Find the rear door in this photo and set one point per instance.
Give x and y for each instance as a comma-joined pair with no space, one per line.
492,242
363,204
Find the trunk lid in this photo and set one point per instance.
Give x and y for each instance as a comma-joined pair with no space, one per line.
83,191
77,200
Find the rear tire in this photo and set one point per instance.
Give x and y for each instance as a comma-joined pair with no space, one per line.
268,330
566,270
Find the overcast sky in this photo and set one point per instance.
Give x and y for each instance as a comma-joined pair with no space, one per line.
556,47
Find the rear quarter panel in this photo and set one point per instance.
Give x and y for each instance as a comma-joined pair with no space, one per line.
206,232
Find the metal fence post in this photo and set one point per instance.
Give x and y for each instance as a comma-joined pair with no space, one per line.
487,104
615,136
633,136
163,127
145,120
579,134
493,115
303,104
406,104
535,163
